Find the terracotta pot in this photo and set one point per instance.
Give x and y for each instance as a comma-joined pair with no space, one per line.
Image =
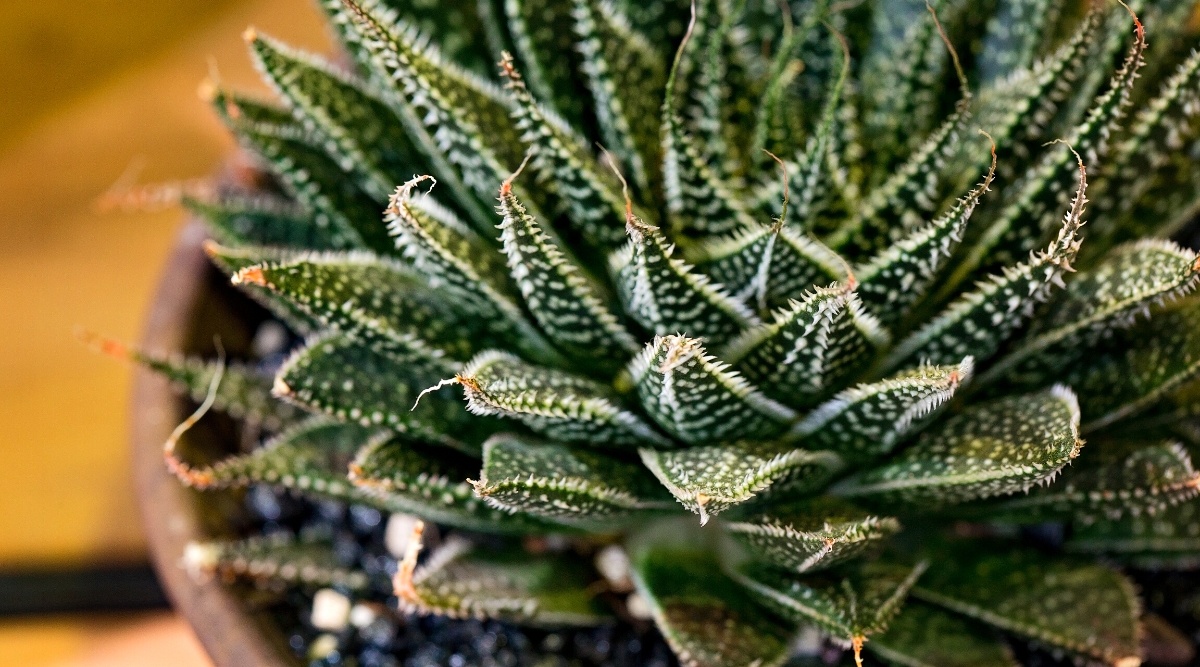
194,303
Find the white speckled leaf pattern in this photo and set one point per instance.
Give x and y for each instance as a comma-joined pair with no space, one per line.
589,193
557,404
461,581
660,320
868,421
1128,282
706,618
372,380
695,398
666,295
1080,607
812,346
1109,481
767,266
348,291
851,605
562,298
812,534
925,636
279,559
990,449
402,475
709,480
571,486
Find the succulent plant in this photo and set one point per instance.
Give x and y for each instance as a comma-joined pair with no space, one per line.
740,288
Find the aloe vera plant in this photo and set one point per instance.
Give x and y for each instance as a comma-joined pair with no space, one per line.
801,304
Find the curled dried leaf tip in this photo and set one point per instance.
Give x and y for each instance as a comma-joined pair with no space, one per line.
402,583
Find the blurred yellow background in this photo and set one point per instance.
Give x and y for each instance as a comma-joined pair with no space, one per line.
91,87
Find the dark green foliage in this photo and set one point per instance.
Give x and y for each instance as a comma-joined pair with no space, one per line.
868,328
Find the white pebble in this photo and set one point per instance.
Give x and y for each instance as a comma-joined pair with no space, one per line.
331,610
638,607
362,615
199,560
808,641
322,646
613,564
396,535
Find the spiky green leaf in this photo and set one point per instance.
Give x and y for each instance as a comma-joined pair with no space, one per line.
990,449
666,295
244,391
850,606
350,291
980,321
589,195
461,580
812,347
709,480
1143,366
565,301
466,116
893,281
1111,481
626,79
372,380
767,266
564,485
706,619
812,534
466,271
1083,608
925,636
412,478
309,457
1169,539
557,404
279,558
260,220
1109,296
306,172
868,421
693,396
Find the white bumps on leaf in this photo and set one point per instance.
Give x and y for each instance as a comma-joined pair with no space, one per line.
330,610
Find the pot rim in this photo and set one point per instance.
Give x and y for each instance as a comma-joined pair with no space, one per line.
231,635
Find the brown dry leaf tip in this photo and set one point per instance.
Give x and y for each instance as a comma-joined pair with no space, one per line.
1196,264
106,346
468,383
197,478
250,35
251,275
403,581
403,194
784,177
679,350
1138,28
507,69
857,643
701,504
612,164
1129,661
987,180
506,186
211,248
280,388
958,68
